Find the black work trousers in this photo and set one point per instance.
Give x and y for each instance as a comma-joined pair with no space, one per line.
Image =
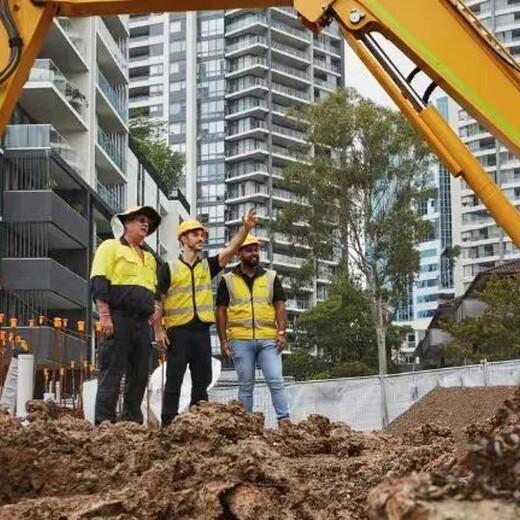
125,352
188,346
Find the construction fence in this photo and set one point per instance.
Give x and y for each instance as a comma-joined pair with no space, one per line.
370,403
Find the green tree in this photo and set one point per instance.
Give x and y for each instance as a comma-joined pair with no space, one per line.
496,334
340,332
148,135
361,191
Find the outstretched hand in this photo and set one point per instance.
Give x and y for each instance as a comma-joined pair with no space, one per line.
249,219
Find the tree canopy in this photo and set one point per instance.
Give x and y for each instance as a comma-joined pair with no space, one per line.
148,136
358,188
496,334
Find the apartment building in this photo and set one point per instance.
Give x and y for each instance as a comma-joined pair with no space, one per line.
440,274
225,82
483,243
66,169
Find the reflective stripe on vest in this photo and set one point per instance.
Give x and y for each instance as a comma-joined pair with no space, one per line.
251,315
180,298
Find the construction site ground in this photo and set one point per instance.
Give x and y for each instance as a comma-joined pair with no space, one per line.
219,463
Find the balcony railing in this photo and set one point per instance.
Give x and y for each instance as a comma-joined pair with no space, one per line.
291,30
289,132
327,66
246,42
290,91
250,61
68,27
245,22
47,71
112,149
23,137
116,99
109,198
290,50
114,48
290,70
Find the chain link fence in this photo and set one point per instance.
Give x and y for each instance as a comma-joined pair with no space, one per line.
370,403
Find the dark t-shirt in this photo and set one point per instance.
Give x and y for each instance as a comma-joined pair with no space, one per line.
164,280
223,293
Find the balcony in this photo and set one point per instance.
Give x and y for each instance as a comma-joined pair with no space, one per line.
66,228
286,33
329,49
111,55
256,150
246,45
246,65
65,46
330,86
112,201
60,288
250,127
50,98
110,103
41,137
290,54
246,106
247,24
258,194
111,156
248,85
328,67
283,92
247,170
290,75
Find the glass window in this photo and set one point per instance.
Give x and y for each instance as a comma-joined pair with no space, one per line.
175,26
177,86
178,46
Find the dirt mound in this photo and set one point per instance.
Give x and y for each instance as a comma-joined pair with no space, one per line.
462,410
489,475
216,462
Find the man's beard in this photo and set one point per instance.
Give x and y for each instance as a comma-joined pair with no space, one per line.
252,261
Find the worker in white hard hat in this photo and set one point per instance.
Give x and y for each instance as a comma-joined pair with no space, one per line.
185,287
251,325
124,285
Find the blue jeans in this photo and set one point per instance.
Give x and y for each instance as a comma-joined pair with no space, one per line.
245,355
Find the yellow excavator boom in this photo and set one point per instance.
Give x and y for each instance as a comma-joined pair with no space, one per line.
441,37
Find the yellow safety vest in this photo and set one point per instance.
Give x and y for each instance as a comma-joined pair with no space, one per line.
251,315
189,294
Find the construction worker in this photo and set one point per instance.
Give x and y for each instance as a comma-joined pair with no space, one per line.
251,325
124,284
188,310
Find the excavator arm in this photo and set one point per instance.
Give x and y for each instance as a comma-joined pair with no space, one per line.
441,37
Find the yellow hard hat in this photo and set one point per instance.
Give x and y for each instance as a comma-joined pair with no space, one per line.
190,225
118,220
251,240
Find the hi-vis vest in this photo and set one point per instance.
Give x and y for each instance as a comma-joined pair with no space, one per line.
251,315
189,293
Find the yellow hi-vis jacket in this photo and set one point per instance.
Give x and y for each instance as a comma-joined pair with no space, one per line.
189,294
251,314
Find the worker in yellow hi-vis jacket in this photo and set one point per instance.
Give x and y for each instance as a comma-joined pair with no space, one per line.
185,285
124,285
251,325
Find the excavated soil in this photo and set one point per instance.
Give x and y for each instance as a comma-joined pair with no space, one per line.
485,483
463,410
219,463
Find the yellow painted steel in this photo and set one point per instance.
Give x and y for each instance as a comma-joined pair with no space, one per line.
112,7
437,35
33,24
438,38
